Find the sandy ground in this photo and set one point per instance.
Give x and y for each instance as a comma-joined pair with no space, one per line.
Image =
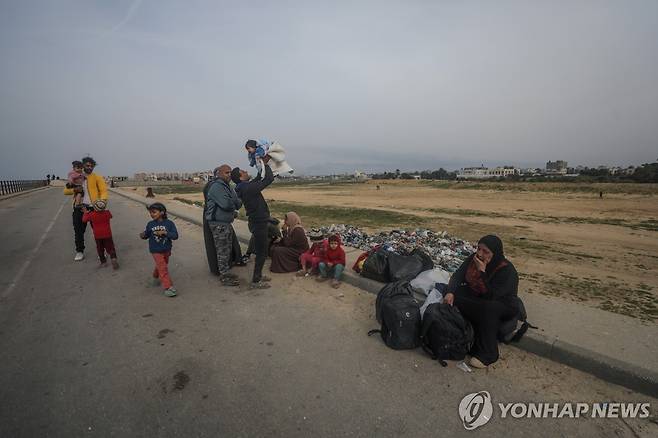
561,242
97,352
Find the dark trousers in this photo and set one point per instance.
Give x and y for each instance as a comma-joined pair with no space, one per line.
105,245
236,250
259,234
486,317
79,229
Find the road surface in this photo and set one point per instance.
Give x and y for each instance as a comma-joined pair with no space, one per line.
97,352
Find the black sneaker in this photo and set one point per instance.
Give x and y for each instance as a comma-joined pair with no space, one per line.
258,285
228,275
228,281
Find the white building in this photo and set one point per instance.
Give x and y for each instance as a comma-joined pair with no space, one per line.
485,172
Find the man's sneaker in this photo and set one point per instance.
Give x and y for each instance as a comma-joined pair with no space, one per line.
229,281
79,256
171,292
258,285
115,264
265,278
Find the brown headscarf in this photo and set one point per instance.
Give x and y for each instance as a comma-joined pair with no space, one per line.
293,221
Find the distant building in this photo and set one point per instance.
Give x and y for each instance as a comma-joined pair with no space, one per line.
557,167
485,172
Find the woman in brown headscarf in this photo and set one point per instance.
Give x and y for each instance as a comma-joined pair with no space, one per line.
285,253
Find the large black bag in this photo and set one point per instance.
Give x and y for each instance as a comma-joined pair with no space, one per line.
445,333
427,261
376,266
402,267
509,330
398,312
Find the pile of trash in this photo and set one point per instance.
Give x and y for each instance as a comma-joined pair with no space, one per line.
446,251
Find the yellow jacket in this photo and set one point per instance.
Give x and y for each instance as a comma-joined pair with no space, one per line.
96,186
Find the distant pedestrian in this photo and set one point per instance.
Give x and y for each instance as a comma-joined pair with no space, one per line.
600,195
93,188
258,214
99,218
221,209
149,193
160,233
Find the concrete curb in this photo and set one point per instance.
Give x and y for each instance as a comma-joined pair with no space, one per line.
25,192
604,367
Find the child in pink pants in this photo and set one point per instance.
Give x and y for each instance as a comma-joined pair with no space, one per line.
315,254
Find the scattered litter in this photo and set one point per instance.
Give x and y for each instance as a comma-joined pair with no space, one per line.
447,252
465,368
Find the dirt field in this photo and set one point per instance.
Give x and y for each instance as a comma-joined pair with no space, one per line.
563,238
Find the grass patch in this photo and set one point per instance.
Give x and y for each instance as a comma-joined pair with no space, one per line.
189,202
177,189
548,187
320,215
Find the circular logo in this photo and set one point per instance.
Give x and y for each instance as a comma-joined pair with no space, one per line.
476,410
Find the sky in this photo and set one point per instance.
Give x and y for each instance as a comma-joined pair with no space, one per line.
157,85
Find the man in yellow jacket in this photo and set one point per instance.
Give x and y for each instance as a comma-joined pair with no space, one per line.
94,188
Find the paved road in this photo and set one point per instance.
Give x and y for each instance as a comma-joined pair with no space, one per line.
96,352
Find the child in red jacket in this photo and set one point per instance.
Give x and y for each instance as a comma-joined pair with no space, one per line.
100,222
334,262
314,255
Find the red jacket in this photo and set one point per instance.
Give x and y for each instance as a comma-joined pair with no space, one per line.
100,222
335,256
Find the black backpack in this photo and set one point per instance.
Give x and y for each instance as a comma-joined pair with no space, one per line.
509,330
445,333
376,266
398,312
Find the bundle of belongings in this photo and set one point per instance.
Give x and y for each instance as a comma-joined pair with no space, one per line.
412,314
441,249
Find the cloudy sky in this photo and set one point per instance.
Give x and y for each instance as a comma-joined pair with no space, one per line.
180,85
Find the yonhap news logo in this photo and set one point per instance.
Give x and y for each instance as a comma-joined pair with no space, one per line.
476,409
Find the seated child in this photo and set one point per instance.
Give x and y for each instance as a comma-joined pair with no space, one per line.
76,178
334,262
100,222
315,254
262,151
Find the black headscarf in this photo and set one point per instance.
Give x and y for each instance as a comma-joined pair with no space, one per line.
495,245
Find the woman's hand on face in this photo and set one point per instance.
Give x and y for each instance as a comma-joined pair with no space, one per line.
449,298
479,264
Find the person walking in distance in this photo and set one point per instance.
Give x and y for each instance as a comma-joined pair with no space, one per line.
258,214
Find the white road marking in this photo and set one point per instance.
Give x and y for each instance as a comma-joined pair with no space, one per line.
30,257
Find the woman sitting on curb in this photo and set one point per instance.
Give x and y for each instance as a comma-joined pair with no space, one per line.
484,290
285,253
333,263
